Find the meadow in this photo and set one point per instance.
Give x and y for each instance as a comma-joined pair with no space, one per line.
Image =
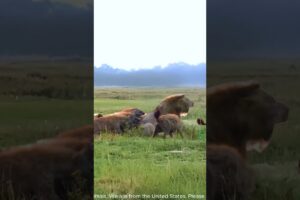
135,164
40,98
29,119
276,169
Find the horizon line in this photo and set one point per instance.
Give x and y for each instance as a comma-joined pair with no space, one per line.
148,68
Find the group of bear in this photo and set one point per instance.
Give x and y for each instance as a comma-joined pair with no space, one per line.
164,118
240,118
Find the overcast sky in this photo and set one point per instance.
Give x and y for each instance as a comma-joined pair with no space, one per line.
253,29
46,28
135,34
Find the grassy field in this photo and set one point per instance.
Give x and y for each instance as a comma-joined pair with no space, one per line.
28,119
277,175
135,164
39,98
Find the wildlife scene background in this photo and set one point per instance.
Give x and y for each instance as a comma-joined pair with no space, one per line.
276,169
46,89
132,163
144,52
258,40
42,97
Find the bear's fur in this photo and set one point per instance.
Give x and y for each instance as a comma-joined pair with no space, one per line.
49,169
118,121
175,104
32,171
85,132
228,175
168,124
149,129
110,123
240,117
131,112
81,141
148,119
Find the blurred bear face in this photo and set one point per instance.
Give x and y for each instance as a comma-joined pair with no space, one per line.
258,112
242,115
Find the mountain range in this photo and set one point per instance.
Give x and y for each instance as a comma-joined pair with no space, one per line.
173,75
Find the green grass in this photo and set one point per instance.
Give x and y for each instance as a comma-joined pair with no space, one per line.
135,164
39,98
141,166
27,120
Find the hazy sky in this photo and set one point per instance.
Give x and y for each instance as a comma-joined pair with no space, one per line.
61,28
146,33
253,29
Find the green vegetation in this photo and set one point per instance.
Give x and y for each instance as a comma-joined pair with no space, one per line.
27,120
40,98
277,168
135,164
52,79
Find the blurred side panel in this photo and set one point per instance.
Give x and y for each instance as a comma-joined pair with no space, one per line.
46,90
253,71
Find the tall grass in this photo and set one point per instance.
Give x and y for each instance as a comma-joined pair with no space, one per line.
149,166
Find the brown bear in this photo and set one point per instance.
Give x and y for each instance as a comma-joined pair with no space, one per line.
173,104
168,124
110,123
228,175
79,140
134,116
118,121
242,115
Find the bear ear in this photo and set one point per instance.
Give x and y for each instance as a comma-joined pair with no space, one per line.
174,97
232,88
